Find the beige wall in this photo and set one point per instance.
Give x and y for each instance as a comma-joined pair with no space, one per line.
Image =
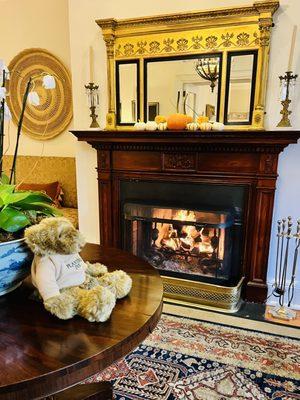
35,23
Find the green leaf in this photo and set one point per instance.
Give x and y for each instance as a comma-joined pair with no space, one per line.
12,220
38,206
6,188
10,198
34,197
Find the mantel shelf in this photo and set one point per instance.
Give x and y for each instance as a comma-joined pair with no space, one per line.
258,141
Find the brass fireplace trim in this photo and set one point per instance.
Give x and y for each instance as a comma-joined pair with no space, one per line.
206,294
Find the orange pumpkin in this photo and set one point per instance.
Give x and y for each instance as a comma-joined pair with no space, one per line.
177,121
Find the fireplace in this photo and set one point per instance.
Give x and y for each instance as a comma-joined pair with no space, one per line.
187,244
197,206
189,231
193,233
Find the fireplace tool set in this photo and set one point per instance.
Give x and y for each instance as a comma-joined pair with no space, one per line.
285,294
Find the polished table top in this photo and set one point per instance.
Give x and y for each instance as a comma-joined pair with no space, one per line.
41,355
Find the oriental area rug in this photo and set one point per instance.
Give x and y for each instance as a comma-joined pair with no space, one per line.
189,359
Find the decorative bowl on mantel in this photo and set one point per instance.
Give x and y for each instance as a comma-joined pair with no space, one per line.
15,262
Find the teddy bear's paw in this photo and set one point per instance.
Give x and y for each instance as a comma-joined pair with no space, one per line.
62,306
89,283
96,304
95,269
119,280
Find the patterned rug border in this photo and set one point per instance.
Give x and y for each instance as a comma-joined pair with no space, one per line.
234,327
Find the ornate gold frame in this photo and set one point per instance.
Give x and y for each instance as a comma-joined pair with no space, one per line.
222,30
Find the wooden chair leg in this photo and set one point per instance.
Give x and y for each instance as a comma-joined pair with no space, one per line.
92,391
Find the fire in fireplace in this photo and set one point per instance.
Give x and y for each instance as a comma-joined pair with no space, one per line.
188,244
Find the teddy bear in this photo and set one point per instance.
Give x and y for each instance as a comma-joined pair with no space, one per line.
66,284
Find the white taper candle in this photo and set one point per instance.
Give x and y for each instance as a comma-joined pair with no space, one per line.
292,49
91,63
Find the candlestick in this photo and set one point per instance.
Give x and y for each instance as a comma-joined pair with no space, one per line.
93,99
287,82
91,63
292,49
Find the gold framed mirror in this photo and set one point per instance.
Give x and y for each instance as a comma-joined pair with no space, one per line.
212,62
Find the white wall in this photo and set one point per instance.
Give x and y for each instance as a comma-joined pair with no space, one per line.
84,32
39,24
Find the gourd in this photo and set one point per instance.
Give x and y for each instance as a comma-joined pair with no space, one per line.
177,121
139,126
192,126
160,119
151,126
205,126
163,126
218,126
202,118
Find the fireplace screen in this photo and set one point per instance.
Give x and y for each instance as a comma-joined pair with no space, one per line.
190,244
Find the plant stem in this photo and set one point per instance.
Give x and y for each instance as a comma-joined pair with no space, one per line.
12,178
2,124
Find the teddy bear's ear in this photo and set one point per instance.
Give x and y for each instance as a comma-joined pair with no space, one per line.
34,240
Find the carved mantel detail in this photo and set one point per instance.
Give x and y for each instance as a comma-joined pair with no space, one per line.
179,161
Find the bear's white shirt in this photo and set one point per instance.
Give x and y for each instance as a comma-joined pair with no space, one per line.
49,274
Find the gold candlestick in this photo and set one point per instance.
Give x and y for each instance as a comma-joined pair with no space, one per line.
286,81
93,101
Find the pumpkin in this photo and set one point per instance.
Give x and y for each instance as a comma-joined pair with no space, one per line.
151,126
140,126
205,126
192,126
202,118
163,126
159,119
177,121
218,126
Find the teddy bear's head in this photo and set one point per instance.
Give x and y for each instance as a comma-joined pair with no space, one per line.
55,235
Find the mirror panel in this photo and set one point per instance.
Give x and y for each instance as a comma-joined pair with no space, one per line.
127,92
240,87
173,84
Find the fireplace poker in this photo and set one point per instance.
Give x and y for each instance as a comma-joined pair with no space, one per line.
285,264
277,253
291,289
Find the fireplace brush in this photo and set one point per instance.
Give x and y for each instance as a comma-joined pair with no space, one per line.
284,238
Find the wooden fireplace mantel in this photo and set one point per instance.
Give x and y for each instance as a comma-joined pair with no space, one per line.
247,158
257,141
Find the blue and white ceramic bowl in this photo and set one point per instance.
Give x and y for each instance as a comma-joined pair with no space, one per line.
15,262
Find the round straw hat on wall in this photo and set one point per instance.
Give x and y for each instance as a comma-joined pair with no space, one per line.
54,113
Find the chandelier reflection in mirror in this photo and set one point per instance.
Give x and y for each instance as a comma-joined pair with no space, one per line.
208,69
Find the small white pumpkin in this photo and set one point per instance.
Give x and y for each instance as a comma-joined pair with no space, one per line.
140,126
218,126
151,126
162,126
205,126
192,126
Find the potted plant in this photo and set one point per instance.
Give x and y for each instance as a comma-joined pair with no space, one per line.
18,209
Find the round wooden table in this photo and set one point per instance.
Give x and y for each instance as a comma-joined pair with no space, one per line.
41,355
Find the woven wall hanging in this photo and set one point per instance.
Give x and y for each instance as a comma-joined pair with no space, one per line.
54,113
